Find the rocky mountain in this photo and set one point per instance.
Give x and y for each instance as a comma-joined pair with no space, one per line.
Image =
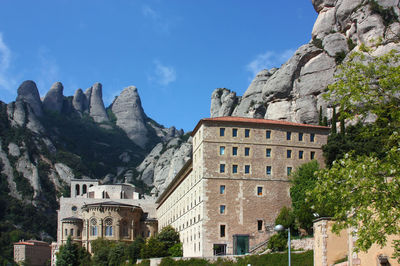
294,91
45,143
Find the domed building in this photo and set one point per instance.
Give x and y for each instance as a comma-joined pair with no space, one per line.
113,212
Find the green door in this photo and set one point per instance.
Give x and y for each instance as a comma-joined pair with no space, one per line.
240,244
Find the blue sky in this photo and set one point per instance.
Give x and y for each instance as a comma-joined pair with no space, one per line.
175,52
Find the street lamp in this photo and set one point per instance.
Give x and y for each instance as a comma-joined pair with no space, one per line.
280,228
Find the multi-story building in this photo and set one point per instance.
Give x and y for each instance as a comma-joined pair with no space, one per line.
225,200
32,252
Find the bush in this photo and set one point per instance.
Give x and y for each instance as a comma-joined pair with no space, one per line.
278,242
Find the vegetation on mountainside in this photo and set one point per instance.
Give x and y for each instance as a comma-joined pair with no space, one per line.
362,189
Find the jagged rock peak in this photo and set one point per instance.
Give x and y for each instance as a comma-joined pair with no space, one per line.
223,102
128,110
321,4
53,100
28,92
97,110
80,102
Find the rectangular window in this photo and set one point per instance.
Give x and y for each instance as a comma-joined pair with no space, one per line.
301,154
247,169
93,230
288,135
108,230
259,191
78,233
268,134
246,151
222,132
268,153
221,150
259,225
289,170
66,232
234,169
222,168
222,189
247,133
222,230
312,155
289,154
71,232
234,132
221,209
300,136
312,137
268,170
234,151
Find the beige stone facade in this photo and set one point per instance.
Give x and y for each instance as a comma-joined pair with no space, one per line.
226,199
32,252
113,212
330,247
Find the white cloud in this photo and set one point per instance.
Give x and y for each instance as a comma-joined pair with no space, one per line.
163,75
7,82
160,23
268,60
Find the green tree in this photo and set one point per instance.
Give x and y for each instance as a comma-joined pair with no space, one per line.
154,248
176,250
363,190
303,182
169,236
68,255
134,249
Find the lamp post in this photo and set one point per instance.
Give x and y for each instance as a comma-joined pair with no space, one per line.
280,228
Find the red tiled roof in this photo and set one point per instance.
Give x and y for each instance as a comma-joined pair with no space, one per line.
32,243
254,121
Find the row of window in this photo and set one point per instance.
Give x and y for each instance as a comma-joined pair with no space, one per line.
71,232
268,169
222,191
222,228
267,134
267,152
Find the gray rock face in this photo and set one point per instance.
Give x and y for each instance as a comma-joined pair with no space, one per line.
21,114
222,102
30,172
128,110
64,172
80,102
294,92
8,172
54,98
29,93
335,43
96,107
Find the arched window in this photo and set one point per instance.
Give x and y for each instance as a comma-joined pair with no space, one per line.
77,189
93,227
109,229
84,188
125,229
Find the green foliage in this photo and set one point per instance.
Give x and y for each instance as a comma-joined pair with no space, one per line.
153,249
320,116
303,182
278,242
339,57
287,219
388,14
134,249
70,254
362,189
351,44
176,250
333,122
169,236
317,43
106,252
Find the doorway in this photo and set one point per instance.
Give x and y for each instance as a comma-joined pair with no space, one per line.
240,244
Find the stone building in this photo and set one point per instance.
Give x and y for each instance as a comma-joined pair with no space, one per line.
32,252
114,212
330,248
225,200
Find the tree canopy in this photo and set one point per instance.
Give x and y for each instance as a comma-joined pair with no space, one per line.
363,190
